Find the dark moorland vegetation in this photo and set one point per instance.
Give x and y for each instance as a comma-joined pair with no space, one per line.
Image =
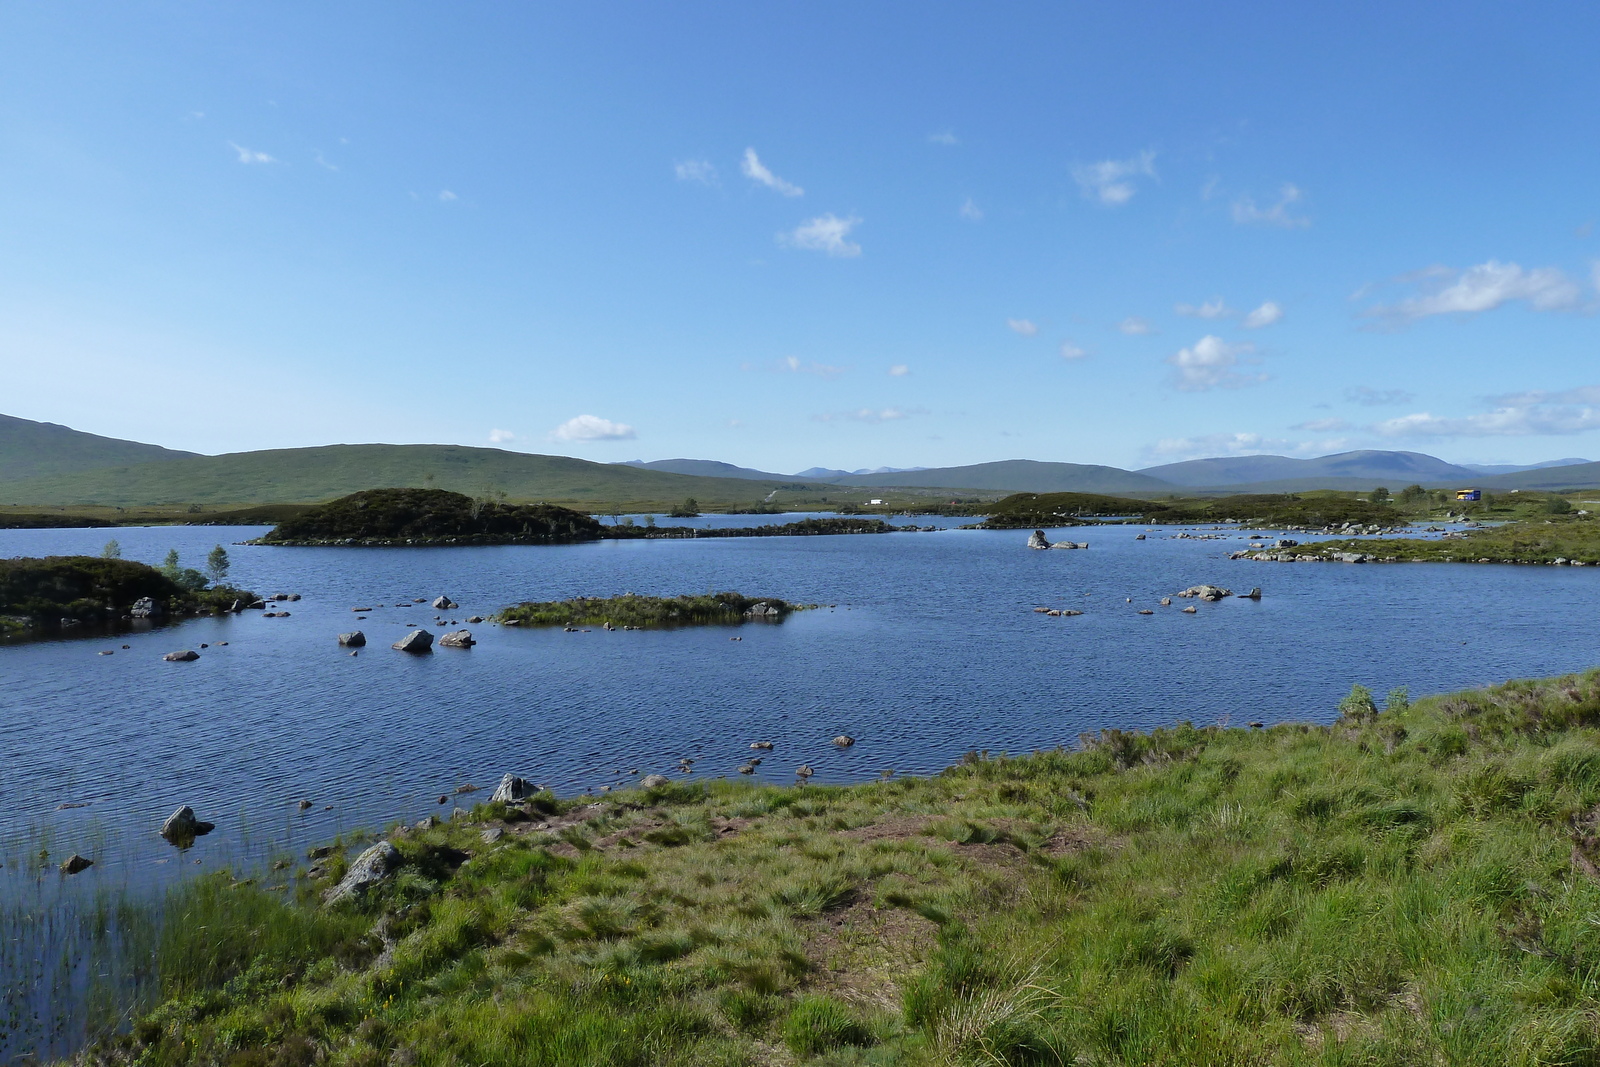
36,521
648,612
1566,537
1411,885
43,593
1027,510
800,528
431,516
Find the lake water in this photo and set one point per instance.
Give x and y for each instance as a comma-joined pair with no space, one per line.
931,650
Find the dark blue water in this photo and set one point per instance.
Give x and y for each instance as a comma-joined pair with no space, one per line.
931,651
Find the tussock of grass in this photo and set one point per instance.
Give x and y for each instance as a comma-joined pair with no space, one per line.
1417,884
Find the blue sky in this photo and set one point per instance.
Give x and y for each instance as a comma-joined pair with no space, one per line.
796,234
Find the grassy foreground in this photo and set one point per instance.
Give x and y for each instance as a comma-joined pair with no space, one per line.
1411,886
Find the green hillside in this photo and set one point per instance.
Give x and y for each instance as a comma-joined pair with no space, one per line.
305,475
31,449
1020,476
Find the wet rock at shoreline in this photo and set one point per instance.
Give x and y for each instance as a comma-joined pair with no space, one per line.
371,867
512,789
354,639
146,608
415,641
654,781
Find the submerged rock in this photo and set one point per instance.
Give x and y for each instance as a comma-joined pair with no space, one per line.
75,863
415,641
371,867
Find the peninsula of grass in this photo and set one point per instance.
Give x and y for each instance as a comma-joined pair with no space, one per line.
51,593
390,517
648,612
1411,885
1571,540
799,528
1269,511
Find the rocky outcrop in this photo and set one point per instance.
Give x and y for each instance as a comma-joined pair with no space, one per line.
354,639
146,608
415,641
1038,540
371,867
1206,592
761,611
512,789
457,639
188,655
444,603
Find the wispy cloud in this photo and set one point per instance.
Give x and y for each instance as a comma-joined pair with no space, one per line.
1211,309
1246,211
752,167
1322,425
322,161
971,211
944,137
1265,315
446,196
794,365
593,428
1530,414
1134,326
1072,351
1367,396
500,437
825,233
1111,181
869,415
1205,446
1024,327
1447,291
250,155
899,370
1211,363
696,170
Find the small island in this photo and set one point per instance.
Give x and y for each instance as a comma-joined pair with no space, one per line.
395,517
55,593
631,611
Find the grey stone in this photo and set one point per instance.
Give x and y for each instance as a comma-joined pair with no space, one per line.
654,781
1038,540
75,863
1206,592
457,639
182,826
491,835
415,641
511,789
146,608
354,639
444,603
371,867
844,740
188,655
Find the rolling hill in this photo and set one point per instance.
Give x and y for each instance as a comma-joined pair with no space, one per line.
709,468
309,475
1342,470
1568,476
31,449
1018,476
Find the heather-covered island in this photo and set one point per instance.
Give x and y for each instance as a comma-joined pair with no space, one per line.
385,517
56,593
632,611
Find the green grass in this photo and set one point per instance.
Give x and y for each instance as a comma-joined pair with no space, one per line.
1412,885
1527,541
647,612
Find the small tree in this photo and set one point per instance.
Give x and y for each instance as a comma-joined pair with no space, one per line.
686,510
170,566
1557,505
1412,493
112,550
217,564
1380,495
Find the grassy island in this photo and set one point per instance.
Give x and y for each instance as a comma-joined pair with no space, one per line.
648,612
55,592
1411,885
799,528
1573,540
1272,511
385,517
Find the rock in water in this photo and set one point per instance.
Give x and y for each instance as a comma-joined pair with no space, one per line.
457,639
444,603
145,608
75,863
415,641
188,655
370,868
844,740
654,781
511,789
354,639
1038,540
181,827
1253,594
1206,592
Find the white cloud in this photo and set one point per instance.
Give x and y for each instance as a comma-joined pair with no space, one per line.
1445,291
1529,414
1265,315
1367,396
1072,351
250,155
500,437
446,196
1110,181
696,170
944,137
825,233
970,211
1322,425
899,370
1211,309
752,167
593,428
792,365
869,415
1211,363
1205,446
1246,211
1134,326
1025,327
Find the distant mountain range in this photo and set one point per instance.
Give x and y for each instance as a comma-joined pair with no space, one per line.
43,464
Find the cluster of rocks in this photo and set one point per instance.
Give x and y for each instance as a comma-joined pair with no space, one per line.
1039,540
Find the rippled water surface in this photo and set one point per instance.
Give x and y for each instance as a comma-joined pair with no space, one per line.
932,650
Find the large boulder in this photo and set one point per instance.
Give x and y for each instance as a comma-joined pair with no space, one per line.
444,603
457,639
415,641
512,789
1206,592
654,781
181,827
1038,540
354,639
146,608
371,867
188,655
